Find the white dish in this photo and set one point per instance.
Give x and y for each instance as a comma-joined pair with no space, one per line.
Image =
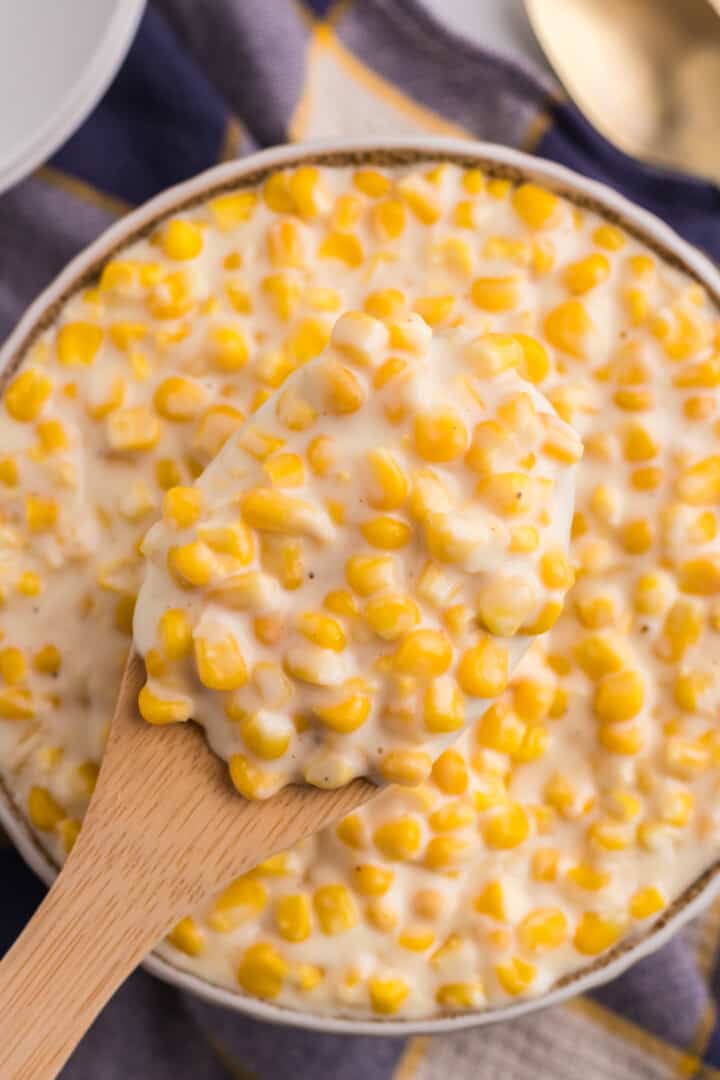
499,160
55,64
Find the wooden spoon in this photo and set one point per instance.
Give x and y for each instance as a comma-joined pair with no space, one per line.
164,831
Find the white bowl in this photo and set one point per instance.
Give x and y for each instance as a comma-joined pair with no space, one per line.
46,91
496,160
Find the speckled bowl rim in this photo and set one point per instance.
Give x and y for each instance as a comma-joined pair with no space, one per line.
389,151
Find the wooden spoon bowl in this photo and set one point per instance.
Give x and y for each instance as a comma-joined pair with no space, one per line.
164,831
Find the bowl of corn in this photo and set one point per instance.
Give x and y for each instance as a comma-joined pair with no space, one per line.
573,827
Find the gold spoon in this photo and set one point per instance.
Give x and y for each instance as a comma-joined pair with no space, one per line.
165,829
646,73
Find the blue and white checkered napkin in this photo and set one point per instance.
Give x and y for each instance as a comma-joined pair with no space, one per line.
205,82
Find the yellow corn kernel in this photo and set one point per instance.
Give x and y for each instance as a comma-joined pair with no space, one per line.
424,653
262,969
179,398
535,205
268,741
230,349
234,540
398,839
445,853
646,902
78,343
306,189
587,273
626,739
214,429
450,773
392,615
13,665
510,493
368,574
135,428
421,201
220,663
587,877
351,832
483,669
387,995
685,758
609,237
700,483
435,310
507,828
285,470
390,486
181,506
556,571
440,435
344,391
275,512
408,767
516,976
175,634
491,902
345,715
335,909
543,929
16,703
567,327
341,602
188,937
619,697
233,209
372,880
443,707
323,630
700,577
9,472
158,710
496,294
598,656
386,532
343,246
372,183
47,660
44,810
192,564
293,917
681,629
41,514
677,809
285,243
26,394
595,934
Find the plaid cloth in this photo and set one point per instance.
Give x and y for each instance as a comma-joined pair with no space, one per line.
207,82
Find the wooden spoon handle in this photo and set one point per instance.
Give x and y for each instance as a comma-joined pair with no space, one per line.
164,831
83,941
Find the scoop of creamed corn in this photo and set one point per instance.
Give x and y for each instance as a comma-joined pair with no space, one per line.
579,807
336,594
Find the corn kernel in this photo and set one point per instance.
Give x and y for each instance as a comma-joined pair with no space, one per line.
398,839
543,929
483,669
516,976
262,971
537,206
496,294
78,343
387,995
44,810
335,909
507,828
188,937
220,663
26,394
567,327
595,934
584,275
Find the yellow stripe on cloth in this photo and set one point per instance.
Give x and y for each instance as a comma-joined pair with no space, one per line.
82,191
341,95
412,1058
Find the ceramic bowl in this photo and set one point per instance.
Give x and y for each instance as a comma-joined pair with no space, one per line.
389,151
